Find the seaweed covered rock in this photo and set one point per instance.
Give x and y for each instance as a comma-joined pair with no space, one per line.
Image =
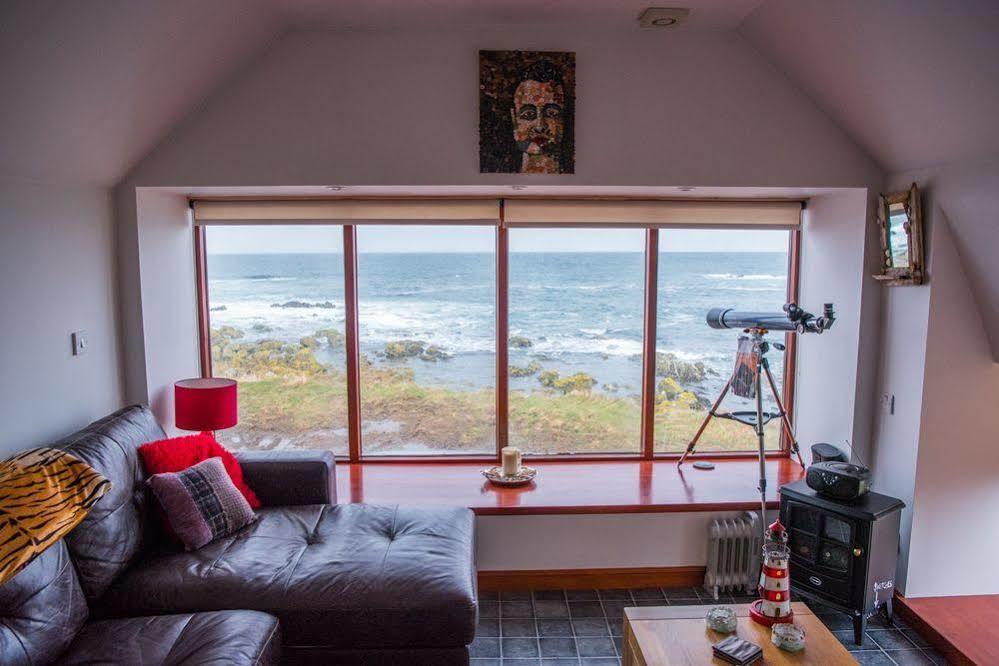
330,336
670,393
434,353
670,366
577,383
399,349
264,358
261,328
325,305
520,342
528,370
217,308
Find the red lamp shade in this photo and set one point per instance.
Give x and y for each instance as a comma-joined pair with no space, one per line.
205,404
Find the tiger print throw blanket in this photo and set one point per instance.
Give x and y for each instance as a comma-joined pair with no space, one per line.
44,493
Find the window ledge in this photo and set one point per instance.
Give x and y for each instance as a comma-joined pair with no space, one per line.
570,487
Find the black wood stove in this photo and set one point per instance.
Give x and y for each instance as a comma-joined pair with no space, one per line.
843,553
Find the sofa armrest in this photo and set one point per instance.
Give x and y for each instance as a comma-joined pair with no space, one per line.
284,478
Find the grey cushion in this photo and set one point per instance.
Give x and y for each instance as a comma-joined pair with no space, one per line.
41,609
190,639
118,527
346,576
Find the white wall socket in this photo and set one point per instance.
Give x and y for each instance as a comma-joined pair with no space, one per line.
80,342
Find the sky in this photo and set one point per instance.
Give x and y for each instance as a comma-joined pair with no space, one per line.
326,239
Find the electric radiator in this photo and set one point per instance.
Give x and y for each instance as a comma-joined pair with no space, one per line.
733,554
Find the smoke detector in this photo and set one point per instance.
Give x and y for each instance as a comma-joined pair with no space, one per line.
663,17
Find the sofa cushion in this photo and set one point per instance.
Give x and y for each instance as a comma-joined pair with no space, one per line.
178,453
347,576
223,637
41,609
201,503
117,529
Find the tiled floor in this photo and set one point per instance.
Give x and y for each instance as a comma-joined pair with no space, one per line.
584,627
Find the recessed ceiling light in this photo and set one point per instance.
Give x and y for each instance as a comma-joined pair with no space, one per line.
663,17
686,188
518,187
335,188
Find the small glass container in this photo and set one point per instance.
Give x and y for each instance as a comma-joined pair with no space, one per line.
788,637
722,619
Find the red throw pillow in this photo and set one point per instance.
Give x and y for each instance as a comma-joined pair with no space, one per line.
178,453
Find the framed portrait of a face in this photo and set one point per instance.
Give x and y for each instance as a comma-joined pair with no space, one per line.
527,102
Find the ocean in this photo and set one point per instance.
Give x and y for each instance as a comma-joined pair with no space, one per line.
578,311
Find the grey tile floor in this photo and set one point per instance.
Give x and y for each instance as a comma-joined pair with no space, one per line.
584,628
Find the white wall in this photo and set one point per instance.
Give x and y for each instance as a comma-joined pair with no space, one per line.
835,386
939,451
592,541
57,266
399,109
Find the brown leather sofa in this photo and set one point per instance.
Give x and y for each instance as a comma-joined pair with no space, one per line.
311,581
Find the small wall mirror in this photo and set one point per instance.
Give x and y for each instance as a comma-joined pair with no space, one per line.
900,221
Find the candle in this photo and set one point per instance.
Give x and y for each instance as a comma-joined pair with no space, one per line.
511,461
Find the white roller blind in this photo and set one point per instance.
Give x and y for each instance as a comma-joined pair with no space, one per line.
372,211
650,213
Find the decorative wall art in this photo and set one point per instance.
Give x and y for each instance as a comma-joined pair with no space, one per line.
527,102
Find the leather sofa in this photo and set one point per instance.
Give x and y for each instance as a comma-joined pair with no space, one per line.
311,581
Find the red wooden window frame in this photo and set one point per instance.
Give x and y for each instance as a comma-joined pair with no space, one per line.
352,345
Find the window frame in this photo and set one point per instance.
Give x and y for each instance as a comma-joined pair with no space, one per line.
647,432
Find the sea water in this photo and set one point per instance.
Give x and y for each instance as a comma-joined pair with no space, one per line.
580,311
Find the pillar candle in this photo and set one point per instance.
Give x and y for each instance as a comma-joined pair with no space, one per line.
511,461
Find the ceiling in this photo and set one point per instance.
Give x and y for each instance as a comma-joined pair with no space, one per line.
91,87
451,13
915,82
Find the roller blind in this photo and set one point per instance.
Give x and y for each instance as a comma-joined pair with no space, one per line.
517,212
649,213
372,211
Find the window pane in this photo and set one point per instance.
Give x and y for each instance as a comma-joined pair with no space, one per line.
576,310
427,317
275,297
700,270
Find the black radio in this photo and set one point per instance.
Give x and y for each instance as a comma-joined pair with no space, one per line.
839,480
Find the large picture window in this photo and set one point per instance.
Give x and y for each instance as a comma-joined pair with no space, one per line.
575,345
428,329
700,270
276,325
427,318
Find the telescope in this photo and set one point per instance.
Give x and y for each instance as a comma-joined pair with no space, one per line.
793,318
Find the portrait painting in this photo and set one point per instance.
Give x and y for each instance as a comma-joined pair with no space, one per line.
527,101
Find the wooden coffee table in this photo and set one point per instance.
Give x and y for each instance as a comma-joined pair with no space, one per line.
674,635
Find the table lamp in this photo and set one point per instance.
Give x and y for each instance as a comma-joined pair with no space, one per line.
205,404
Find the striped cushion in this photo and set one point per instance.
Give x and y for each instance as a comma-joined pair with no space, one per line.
201,503
44,493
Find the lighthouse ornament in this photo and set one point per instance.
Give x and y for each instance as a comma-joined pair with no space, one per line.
774,604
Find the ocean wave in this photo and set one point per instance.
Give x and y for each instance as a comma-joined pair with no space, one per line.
738,276
577,345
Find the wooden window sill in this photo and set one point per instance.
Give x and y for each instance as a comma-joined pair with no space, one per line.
571,487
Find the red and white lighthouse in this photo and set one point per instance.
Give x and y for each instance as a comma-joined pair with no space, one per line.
774,604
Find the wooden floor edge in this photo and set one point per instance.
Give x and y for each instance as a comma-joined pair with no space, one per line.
951,652
589,579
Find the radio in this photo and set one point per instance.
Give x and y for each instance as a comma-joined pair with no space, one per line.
839,480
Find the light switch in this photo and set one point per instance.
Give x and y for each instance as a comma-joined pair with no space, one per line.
80,342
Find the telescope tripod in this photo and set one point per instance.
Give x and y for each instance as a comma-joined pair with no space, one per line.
757,419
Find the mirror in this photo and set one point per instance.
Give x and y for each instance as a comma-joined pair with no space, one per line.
901,229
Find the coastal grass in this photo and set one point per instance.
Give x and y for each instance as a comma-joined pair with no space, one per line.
310,411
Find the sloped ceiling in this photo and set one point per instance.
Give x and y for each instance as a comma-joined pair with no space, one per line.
915,82
90,87
725,14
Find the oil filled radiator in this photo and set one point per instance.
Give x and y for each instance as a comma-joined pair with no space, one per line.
733,554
